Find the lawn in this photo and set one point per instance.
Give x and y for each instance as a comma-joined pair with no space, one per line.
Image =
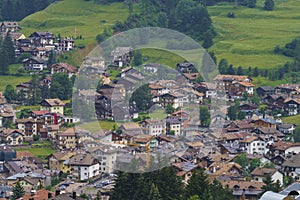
292,120
13,69
250,37
12,80
161,57
42,153
98,125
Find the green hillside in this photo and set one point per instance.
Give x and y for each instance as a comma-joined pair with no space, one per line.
63,17
250,37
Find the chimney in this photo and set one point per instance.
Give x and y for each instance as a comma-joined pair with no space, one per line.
74,195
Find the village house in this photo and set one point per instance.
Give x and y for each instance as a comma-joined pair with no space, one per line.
45,39
9,26
184,170
291,166
84,166
12,136
29,181
15,36
234,85
209,89
173,126
67,140
284,148
153,127
65,44
254,145
6,154
41,194
292,106
285,128
95,62
248,109
224,170
274,101
264,122
143,140
186,67
53,106
263,91
151,68
64,68
107,157
131,127
287,89
259,174
244,189
6,116
34,64
59,161
121,56
29,126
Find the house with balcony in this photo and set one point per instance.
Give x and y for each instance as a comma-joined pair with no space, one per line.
84,166
12,136
53,106
292,106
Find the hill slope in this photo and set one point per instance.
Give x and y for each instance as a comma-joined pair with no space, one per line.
63,17
250,37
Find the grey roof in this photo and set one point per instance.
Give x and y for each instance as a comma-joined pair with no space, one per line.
267,88
293,161
14,166
293,187
272,196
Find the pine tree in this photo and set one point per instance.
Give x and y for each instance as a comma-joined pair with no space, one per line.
18,191
10,93
197,184
8,47
35,91
239,71
269,5
154,193
7,10
52,58
4,61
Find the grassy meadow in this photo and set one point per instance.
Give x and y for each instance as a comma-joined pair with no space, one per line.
12,80
63,17
250,37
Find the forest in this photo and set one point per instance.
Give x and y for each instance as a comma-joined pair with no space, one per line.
18,9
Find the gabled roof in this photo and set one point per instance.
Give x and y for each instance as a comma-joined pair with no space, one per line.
231,78
54,102
297,101
66,66
263,171
266,88
246,84
83,160
293,161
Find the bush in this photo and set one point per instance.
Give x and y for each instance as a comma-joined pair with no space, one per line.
231,15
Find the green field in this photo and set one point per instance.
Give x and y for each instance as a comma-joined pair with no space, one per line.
12,80
98,125
250,37
64,17
42,153
292,120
